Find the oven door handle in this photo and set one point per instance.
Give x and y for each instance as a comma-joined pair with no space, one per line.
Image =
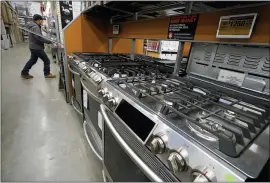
75,108
152,175
74,72
89,92
90,143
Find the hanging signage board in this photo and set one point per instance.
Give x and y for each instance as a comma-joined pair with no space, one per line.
116,29
66,12
236,26
183,27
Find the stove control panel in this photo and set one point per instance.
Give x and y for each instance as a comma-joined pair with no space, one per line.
95,76
187,160
108,95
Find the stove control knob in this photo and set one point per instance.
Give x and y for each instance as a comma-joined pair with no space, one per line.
106,97
101,92
178,160
98,79
203,174
158,144
112,102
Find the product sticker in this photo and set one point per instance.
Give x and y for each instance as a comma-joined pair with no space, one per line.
85,103
100,119
231,77
72,82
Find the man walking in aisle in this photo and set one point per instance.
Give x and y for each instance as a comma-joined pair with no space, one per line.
36,46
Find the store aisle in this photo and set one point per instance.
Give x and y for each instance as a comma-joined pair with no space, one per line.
42,139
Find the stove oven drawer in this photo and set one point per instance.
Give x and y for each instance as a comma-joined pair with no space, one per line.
93,139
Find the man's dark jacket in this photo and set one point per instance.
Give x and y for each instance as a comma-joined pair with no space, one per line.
36,42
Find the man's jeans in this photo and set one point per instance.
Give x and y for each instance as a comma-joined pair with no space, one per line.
35,54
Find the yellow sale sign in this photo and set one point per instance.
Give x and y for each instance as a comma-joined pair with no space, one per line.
236,26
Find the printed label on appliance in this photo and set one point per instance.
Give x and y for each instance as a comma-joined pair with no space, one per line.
231,77
85,99
72,82
100,119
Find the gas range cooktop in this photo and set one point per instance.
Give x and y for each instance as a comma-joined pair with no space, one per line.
115,66
225,123
200,129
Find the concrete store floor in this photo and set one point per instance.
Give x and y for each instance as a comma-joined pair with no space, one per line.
41,137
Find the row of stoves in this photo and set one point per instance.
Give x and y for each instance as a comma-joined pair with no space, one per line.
146,125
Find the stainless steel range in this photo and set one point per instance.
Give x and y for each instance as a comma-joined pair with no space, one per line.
212,125
97,68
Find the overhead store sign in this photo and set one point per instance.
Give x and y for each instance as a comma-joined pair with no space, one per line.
66,12
236,26
183,27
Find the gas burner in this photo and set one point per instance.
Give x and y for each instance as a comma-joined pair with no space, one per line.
204,134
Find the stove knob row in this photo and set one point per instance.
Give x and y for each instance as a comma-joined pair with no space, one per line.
203,174
178,160
158,144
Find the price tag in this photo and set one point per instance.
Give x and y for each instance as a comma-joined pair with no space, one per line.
85,102
100,119
236,26
231,77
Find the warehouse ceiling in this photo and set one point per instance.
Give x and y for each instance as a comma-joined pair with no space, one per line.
121,11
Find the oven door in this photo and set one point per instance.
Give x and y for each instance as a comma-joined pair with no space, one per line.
76,98
91,105
124,158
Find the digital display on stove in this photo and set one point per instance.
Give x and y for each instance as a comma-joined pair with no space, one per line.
137,122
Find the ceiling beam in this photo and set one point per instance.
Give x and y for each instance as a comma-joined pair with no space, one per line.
165,7
126,12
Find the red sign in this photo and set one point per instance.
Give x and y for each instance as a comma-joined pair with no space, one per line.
182,27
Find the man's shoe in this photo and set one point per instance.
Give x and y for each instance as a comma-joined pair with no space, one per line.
27,76
50,76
